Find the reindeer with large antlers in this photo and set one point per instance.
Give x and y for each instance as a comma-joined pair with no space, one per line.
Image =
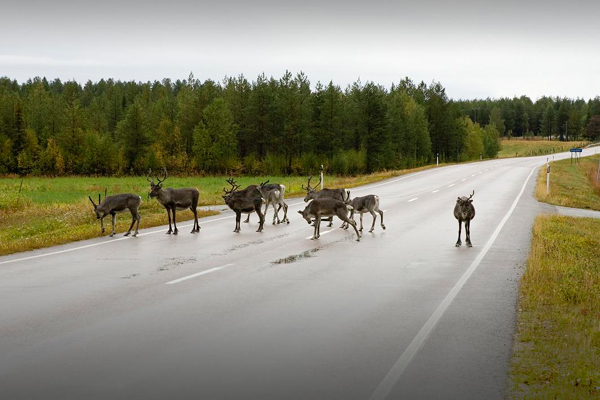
175,199
337,194
119,203
243,202
464,212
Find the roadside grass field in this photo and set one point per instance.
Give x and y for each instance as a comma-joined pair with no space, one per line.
53,211
571,184
556,353
527,148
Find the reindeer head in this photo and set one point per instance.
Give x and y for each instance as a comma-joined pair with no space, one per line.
310,191
464,203
98,213
156,188
229,193
305,214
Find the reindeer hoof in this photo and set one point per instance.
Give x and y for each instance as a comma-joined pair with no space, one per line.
127,234
371,231
169,232
457,244
383,226
111,235
134,235
469,244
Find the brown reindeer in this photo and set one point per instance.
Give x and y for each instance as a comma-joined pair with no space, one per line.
464,212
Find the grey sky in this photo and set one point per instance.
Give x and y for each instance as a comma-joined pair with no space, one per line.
474,48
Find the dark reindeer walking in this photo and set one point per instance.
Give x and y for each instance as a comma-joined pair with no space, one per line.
464,212
319,208
175,199
243,202
119,203
365,204
338,194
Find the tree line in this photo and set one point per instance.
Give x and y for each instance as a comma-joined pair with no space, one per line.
264,126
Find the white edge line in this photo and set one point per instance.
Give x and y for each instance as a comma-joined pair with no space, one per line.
451,185
388,382
416,198
102,243
462,180
435,191
208,271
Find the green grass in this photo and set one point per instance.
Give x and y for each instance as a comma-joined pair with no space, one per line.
571,184
526,148
556,353
52,211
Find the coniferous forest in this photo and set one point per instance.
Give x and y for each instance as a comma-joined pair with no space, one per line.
265,126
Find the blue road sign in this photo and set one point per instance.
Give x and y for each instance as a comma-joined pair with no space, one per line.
576,150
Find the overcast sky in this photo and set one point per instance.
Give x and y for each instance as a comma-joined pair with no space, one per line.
474,48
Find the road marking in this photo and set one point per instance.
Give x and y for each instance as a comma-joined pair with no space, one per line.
473,175
208,271
451,185
324,233
416,198
395,180
388,382
479,172
102,243
435,191
462,180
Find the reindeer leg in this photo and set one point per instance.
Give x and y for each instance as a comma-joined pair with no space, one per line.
137,227
102,223
468,232
374,219
458,242
276,211
238,217
247,219
261,218
381,213
194,227
175,231
130,226
342,215
330,222
317,227
169,215
285,217
114,217
361,225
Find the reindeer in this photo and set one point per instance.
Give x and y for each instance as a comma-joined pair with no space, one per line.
364,204
243,202
175,199
338,194
112,205
273,194
464,212
327,208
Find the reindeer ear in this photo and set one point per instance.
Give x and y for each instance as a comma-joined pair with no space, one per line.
458,199
470,201
299,212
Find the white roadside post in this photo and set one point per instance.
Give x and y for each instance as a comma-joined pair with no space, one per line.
437,159
547,176
321,176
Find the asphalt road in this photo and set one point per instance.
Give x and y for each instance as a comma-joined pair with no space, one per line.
275,315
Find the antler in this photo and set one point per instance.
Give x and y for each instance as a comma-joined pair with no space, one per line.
92,201
472,194
308,184
234,186
149,176
264,183
165,176
99,199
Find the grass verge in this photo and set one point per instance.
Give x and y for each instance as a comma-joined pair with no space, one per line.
556,352
52,211
527,148
571,185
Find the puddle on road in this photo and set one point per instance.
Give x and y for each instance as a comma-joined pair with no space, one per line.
130,276
296,257
251,243
176,262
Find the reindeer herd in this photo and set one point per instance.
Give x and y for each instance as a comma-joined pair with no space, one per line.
324,203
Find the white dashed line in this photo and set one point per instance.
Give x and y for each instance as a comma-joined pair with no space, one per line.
473,175
416,198
322,233
208,271
451,185
462,180
435,191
